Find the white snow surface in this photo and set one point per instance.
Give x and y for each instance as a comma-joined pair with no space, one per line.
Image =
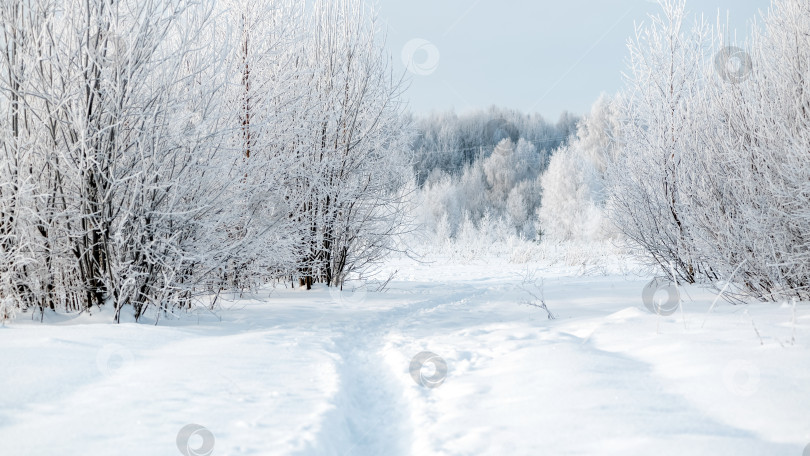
295,372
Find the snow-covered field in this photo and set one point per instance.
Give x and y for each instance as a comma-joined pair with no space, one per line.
296,372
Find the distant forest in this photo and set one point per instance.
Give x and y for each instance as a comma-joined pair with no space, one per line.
448,142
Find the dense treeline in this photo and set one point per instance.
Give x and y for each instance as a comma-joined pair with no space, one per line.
152,152
448,142
479,172
156,150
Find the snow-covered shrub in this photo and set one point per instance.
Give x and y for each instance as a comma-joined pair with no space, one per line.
660,124
105,199
749,187
350,144
712,176
165,149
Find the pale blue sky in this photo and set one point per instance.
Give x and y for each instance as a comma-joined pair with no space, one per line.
539,56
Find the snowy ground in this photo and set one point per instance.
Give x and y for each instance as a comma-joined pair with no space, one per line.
328,373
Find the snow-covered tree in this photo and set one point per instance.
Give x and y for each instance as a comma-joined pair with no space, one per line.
660,123
573,192
350,146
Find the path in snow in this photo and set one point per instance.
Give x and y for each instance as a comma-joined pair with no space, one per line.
317,373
